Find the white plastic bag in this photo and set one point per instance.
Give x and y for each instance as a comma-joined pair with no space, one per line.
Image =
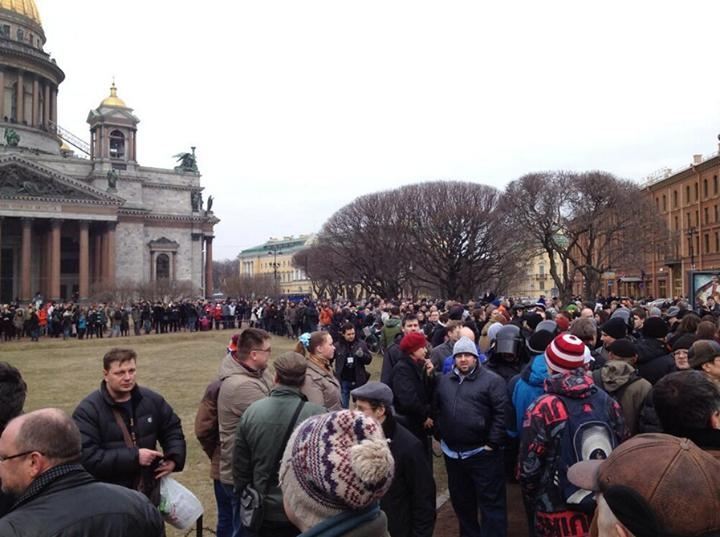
178,505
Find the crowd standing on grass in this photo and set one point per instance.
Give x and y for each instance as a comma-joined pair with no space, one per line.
602,413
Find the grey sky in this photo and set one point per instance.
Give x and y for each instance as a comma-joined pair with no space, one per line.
297,107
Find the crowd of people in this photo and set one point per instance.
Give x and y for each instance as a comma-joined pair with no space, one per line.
605,413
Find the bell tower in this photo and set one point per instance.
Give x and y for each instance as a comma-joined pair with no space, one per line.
113,134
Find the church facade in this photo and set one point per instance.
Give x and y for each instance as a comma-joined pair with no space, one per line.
77,223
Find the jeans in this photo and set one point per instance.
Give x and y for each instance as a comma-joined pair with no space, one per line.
237,530
224,510
345,387
479,481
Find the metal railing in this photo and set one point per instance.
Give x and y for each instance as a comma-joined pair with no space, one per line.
71,138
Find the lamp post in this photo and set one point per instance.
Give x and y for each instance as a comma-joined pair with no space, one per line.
274,251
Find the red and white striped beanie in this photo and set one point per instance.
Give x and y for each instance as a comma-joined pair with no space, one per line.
565,353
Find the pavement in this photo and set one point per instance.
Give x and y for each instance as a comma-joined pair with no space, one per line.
447,525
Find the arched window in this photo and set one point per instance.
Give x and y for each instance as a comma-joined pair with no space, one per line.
117,144
162,267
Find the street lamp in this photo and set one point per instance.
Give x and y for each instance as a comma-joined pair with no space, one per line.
691,232
274,251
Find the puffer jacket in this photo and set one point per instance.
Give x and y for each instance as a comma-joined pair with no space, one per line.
541,464
66,501
471,409
370,522
257,445
104,451
241,387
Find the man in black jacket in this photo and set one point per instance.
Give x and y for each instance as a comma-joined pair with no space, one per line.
121,425
56,497
471,403
12,398
410,502
351,357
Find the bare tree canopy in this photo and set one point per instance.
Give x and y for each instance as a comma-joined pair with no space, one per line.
444,237
587,223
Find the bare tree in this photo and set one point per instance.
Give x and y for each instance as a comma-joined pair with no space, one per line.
591,222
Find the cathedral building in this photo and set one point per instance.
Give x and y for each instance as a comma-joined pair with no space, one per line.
77,222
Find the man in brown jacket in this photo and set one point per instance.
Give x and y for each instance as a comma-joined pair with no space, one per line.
245,379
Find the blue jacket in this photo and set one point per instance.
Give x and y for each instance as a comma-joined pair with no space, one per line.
524,389
471,410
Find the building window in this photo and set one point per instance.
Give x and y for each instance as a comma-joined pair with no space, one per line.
715,184
117,144
162,267
706,215
677,223
707,243
5,30
664,202
657,203
705,188
689,220
696,191
717,241
687,194
697,218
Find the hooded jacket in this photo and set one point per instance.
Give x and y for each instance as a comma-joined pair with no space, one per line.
654,360
240,388
624,384
541,465
391,328
524,389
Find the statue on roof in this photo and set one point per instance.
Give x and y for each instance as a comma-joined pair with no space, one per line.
12,138
188,162
112,179
196,200
210,203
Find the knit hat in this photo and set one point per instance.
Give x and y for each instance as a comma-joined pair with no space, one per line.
643,481
532,320
466,346
412,342
654,327
566,353
684,342
335,462
563,323
291,365
703,351
623,348
615,328
538,342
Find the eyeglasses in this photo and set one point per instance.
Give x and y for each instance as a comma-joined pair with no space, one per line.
262,350
9,457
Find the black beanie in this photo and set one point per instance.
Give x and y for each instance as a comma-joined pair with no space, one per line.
654,327
615,328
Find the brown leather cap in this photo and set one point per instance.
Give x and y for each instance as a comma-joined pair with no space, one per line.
679,482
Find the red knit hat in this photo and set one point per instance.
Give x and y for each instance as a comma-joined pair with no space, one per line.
565,353
412,342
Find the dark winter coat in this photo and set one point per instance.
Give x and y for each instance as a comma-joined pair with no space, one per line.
654,359
413,394
361,357
410,501
104,452
66,501
392,356
471,409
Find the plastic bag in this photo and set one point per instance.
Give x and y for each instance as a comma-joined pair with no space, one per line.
178,505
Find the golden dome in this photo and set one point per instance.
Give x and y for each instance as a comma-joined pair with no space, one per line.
23,7
113,100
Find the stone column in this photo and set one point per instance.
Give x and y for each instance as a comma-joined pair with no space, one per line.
25,255
209,286
53,102
84,270
153,266
55,229
35,103
97,258
46,106
173,267
20,98
3,112
110,272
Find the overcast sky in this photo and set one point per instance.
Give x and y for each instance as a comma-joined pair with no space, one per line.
297,107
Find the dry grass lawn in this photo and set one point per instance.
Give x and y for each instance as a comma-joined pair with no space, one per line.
179,366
